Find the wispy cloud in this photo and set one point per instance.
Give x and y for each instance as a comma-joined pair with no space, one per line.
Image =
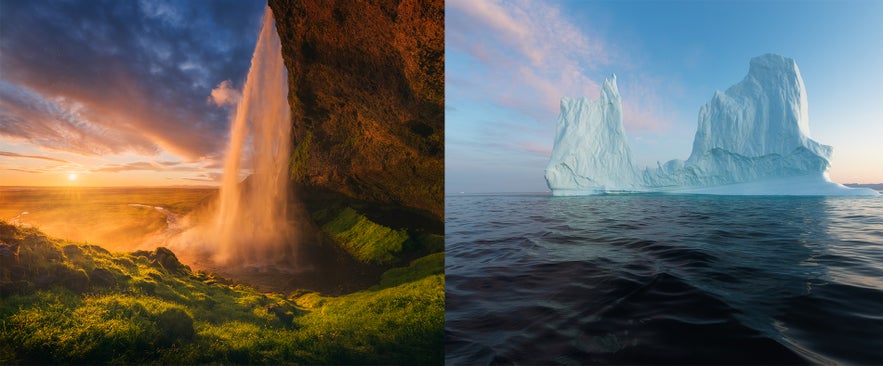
206,177
147,166
62,124
33,171
113,77
530,54
533,53
15,155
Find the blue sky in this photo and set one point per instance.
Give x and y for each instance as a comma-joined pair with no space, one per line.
109,93
508,63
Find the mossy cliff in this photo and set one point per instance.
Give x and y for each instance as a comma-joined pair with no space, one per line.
366,89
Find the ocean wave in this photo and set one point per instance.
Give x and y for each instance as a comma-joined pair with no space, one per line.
663,279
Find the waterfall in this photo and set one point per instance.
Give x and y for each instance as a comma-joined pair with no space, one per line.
251,226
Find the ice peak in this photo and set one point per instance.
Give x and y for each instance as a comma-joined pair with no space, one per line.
609,90
771,64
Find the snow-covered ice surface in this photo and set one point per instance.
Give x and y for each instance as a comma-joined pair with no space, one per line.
752,139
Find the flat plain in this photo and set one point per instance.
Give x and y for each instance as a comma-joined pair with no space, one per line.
117,218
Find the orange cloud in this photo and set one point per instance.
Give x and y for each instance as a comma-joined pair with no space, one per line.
15,155
225,94
113,78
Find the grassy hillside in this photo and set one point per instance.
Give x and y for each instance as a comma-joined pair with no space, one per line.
63,302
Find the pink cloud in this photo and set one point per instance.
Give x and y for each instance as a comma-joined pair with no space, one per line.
535,30
32,171
542,150
644,108
225,94
41,157
62,124
534,55
118,120
147,166
643,117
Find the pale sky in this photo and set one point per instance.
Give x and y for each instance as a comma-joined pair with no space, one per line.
508,64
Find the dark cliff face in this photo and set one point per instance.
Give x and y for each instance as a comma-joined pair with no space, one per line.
366,88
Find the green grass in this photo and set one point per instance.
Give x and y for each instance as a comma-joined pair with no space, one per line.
419,268
383,238
63,302
364,239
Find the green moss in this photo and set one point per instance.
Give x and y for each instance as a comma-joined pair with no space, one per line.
365,240
429,243
300,159
373,326
417,269
151,315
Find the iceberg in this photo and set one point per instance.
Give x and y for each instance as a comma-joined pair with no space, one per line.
752,139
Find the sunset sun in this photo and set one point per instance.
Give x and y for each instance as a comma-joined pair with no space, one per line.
72,177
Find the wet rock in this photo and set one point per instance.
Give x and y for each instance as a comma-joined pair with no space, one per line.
166,259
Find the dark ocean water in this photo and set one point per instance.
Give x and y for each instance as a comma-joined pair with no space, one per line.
534,279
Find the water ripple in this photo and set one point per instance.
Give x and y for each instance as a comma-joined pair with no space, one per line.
663,279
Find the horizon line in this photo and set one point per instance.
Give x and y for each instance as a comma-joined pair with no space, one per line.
91,187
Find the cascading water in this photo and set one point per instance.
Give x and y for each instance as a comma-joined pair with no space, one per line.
251,226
